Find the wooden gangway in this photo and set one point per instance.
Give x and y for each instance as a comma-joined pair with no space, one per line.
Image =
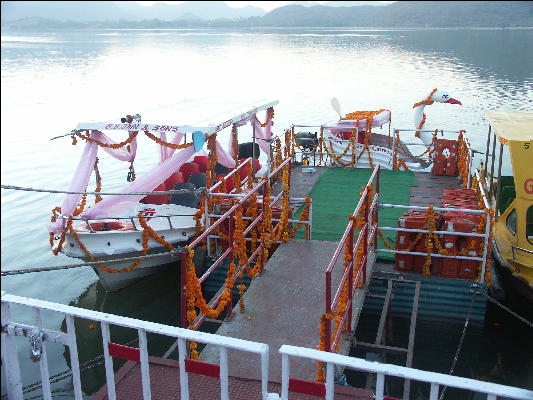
284,305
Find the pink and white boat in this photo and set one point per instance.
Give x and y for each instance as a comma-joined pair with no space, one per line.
111,230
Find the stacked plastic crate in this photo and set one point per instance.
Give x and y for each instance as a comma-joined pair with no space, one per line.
416,219
457,244
445,159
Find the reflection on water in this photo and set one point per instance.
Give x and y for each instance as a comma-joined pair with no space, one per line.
52,81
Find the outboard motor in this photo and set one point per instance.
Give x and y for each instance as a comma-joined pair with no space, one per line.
246,150
307,140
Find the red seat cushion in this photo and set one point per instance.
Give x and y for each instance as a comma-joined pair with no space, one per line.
244,170
158,199
176,177
202,162
187,169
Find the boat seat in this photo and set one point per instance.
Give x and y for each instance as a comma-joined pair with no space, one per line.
157,199
229,182
187,169
202,162
198,179
243,172
221,169
176,177
185,199
246,150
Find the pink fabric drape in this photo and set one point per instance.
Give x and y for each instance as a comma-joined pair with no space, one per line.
79,183
223,157
175,140
116,204
122,153
263,134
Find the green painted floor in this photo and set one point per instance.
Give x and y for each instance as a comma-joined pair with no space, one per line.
335,196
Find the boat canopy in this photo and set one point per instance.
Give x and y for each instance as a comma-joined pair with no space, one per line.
511,125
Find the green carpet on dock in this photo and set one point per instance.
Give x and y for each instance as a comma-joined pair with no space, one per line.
336,194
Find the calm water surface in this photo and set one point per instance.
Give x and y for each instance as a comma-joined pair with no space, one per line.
51,81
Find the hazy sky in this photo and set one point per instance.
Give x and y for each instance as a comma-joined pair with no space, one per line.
265,5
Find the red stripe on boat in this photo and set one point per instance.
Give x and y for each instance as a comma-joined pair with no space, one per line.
202,368
307,387
125,352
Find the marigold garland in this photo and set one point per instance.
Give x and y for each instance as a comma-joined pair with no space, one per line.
86,137
270,116
167,144
428,102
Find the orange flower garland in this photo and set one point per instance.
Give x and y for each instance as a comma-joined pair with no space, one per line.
86,137
428,102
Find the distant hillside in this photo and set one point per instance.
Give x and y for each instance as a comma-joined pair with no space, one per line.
407,14
89,11
103,14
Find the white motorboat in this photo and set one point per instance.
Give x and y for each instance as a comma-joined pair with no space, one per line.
140,229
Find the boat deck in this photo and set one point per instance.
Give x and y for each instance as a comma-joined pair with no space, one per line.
285,314
165,385
276,314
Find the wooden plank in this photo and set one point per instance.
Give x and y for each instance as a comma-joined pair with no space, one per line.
410,346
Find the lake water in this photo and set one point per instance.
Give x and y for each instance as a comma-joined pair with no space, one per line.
51,81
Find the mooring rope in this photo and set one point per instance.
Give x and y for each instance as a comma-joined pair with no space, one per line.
493,300
454,363
197,191
89,263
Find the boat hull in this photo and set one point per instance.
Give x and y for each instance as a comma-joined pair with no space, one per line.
113,282
377,154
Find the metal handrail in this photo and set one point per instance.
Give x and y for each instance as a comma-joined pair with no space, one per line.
228,215
514,248
367,237
434,378
10,329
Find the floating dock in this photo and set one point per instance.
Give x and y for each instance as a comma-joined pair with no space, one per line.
284,304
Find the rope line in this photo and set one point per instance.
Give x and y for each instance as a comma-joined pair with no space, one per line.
493,300
198,191
89,263
454,363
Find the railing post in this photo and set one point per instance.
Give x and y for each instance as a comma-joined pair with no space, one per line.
485,249
10,357
328,310
487,156
330,380
264,374
350,274
380,386
267,182
183,317
45,376
365,237
230,259
184,378
145,366
224,393
74,360
108,361
285,372
377,207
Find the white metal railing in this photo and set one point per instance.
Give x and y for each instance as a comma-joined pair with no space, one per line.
40,335
492,390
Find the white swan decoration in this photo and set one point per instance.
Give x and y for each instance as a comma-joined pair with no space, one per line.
420,118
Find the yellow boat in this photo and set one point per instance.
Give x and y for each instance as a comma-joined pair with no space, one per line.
512,200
